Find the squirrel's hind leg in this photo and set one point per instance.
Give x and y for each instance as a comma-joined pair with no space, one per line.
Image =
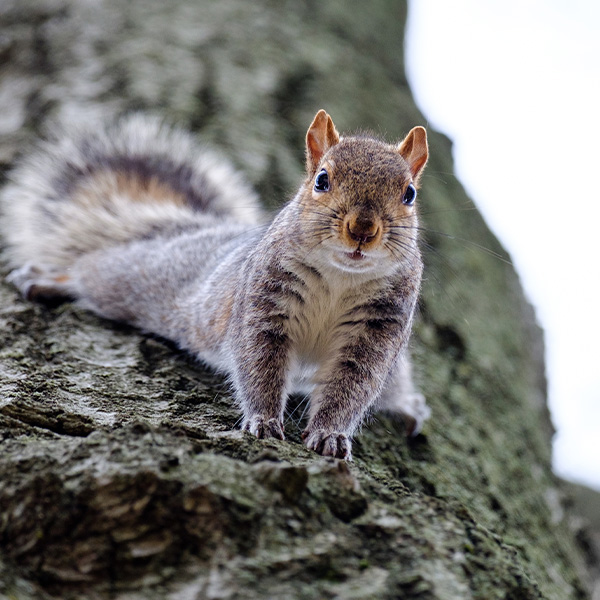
43,283
400,398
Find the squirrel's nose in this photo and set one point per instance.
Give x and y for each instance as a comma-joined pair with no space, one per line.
362,230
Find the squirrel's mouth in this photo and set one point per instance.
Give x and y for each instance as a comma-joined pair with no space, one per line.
355,261
356,255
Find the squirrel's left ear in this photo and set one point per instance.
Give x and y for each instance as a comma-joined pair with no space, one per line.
320,137
414,151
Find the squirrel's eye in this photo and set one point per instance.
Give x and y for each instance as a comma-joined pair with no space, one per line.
410,195
322,181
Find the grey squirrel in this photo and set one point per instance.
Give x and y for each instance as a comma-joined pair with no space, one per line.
140,224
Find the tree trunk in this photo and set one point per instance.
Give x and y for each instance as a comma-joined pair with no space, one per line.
123,473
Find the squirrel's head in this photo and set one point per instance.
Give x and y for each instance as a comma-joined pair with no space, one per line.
360,195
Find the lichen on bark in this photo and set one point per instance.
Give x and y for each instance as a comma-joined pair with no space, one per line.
123,473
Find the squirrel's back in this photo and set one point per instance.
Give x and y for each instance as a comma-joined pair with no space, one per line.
133,179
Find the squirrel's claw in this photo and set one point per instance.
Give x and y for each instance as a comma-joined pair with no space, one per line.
412,409
329,443
24,278
37,282
265,428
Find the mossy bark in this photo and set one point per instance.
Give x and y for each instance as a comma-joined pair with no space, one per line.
122,471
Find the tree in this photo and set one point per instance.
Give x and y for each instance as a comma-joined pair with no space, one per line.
123,474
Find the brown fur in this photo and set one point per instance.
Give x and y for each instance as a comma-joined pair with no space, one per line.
110,184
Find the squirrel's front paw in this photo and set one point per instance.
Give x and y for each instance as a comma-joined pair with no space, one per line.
328,443
264,428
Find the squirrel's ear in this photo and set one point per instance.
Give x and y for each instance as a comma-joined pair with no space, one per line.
320,137
414,151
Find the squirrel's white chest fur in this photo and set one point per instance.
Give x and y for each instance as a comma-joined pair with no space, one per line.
318,326
312,324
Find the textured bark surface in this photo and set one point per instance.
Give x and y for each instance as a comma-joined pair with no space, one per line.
122,472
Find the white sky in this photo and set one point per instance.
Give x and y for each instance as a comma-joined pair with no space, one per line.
516,85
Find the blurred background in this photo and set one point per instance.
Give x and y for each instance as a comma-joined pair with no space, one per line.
515,84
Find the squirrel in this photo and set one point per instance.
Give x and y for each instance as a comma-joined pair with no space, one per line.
139,223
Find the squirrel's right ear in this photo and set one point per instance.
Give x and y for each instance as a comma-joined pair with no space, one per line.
415,152
320,137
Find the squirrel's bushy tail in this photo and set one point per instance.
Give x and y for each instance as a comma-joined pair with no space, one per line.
133,179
